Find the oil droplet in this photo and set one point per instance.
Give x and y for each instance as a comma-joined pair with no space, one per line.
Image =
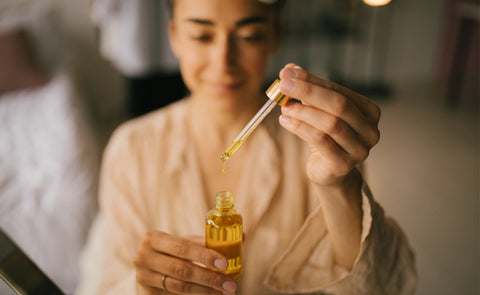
224,159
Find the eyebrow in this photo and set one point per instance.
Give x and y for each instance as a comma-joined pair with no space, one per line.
251,20
240,23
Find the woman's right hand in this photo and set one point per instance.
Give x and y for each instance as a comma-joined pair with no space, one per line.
177,259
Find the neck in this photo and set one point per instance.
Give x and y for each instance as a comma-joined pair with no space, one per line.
220,126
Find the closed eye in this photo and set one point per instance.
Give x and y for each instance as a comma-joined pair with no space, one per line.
202,38
254,38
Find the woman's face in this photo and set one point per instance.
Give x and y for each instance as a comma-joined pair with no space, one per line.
223,48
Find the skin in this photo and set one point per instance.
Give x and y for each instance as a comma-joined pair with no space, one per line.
223,49
341,127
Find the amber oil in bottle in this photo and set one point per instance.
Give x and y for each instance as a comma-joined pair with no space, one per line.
223,232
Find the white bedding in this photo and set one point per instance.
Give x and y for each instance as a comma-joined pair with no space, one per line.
48,175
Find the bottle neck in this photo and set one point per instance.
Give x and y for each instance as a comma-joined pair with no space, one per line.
224,200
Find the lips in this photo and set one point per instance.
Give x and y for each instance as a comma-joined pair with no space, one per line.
225,86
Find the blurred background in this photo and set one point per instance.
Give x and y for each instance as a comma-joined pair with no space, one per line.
419,60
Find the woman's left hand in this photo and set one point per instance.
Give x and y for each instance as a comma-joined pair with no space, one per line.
340,126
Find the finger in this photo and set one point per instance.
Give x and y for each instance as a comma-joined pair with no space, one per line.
368,108
334,158
153,291
154,285
186,271
335,104
334,127
150,280
180,287
186,249
199,240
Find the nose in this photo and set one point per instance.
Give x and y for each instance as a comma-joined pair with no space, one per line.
225,54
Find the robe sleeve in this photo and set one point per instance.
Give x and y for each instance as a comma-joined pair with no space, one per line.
385,263
120,226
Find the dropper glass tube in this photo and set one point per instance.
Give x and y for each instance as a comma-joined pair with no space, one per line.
275,97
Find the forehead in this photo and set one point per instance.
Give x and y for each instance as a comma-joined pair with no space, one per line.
222,12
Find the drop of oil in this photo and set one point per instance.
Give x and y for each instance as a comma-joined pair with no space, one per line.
224,159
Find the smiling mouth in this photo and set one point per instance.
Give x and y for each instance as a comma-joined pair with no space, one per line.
225,87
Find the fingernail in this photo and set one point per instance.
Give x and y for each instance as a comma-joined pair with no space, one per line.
287,107
229,286
298,67
287,84
289,73
220,264
284,119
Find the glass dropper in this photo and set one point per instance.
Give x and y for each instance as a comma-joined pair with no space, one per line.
275,97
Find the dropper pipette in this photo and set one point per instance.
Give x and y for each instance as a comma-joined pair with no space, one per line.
275,97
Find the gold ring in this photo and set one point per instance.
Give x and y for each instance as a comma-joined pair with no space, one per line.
163,283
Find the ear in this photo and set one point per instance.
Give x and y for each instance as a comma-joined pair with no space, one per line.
172,37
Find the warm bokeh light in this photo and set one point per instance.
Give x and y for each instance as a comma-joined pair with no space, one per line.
376,2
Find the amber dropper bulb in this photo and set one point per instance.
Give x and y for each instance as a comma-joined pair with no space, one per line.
224,232
275,97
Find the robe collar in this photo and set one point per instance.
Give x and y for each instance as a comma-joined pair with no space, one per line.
257,185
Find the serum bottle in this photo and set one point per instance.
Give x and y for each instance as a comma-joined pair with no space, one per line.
224,232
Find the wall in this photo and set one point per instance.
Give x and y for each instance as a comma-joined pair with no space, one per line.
416,32
396,44
102,85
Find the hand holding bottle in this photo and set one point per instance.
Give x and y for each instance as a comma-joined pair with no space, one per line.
164,264
224,232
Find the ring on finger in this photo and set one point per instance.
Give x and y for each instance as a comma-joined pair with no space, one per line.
163,283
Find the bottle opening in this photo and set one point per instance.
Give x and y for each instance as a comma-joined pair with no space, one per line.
223,199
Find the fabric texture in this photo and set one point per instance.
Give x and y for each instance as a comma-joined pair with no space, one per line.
48,176
150,180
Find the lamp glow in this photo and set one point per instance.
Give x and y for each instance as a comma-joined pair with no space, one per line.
376,2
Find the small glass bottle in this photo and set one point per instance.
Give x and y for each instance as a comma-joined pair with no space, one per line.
224,232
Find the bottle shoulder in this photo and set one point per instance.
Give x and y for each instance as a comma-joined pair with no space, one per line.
223,212
224,218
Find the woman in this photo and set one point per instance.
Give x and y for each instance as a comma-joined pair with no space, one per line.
308,225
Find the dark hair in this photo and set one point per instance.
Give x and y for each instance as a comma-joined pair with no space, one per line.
277,4
170,7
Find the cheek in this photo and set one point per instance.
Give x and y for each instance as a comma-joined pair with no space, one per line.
188,55
256,61
191,63
257,55
191,57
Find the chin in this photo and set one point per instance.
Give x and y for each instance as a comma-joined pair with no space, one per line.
226,103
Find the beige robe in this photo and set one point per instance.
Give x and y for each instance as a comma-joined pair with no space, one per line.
150,179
